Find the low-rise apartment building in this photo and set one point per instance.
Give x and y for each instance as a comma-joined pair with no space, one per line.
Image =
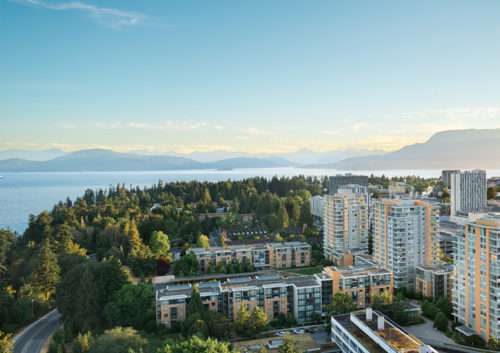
360,282
434,281
261,256
273,294
371,332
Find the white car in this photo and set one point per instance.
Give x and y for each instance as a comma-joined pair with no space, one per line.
298,331
281,334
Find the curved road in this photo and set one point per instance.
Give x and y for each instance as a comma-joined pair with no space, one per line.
32,338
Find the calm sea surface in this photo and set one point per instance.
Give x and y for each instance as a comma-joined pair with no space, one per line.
25,193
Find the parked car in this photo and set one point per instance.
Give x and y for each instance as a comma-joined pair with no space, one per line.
311,330
296,331
281,334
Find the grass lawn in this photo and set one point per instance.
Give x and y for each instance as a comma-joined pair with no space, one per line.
305,271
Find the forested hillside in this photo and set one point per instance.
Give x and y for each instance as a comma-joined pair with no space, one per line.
126,226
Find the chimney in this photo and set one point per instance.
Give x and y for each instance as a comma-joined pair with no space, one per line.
369,314
380,323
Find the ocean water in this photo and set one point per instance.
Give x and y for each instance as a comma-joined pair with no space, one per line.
22,194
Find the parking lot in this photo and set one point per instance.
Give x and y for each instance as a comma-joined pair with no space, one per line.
305,338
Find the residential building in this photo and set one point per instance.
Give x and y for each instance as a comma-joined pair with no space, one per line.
446,231
345,222
399,187
239,233
468,191
360,190
434,281
405,235
446,176
360,282
476,282
369,331
351,257
493,182
317,207
273,294
337,180
245,218
261,256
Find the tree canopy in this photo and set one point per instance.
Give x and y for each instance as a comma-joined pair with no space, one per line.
196,344
341,303
132,305
118,340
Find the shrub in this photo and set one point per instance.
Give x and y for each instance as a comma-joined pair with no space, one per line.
441,321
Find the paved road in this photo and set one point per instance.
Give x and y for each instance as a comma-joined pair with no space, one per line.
427,334
426,331
32,338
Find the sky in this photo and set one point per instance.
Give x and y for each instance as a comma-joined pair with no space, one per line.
251,76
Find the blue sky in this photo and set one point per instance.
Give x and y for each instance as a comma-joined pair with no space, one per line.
253,76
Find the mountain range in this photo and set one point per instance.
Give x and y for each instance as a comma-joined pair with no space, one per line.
107,160
300,157
452,149
44,155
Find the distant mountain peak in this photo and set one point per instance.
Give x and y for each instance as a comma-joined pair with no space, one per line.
450,149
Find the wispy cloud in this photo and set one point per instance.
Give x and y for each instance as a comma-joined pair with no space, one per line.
112,125
169,125
107,125
111,17
332,133
254,131
359,126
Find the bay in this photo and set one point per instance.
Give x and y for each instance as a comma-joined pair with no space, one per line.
22,194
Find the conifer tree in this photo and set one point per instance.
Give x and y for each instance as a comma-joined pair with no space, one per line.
47,272
195,303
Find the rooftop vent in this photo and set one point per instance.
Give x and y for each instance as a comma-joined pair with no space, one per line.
380,323
369,314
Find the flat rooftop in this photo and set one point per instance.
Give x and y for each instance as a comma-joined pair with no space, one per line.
356,332
394,335
358,270
437,268
261,246
211,288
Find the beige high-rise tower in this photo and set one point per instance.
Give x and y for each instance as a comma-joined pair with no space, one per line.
476,281
345,222
405,235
